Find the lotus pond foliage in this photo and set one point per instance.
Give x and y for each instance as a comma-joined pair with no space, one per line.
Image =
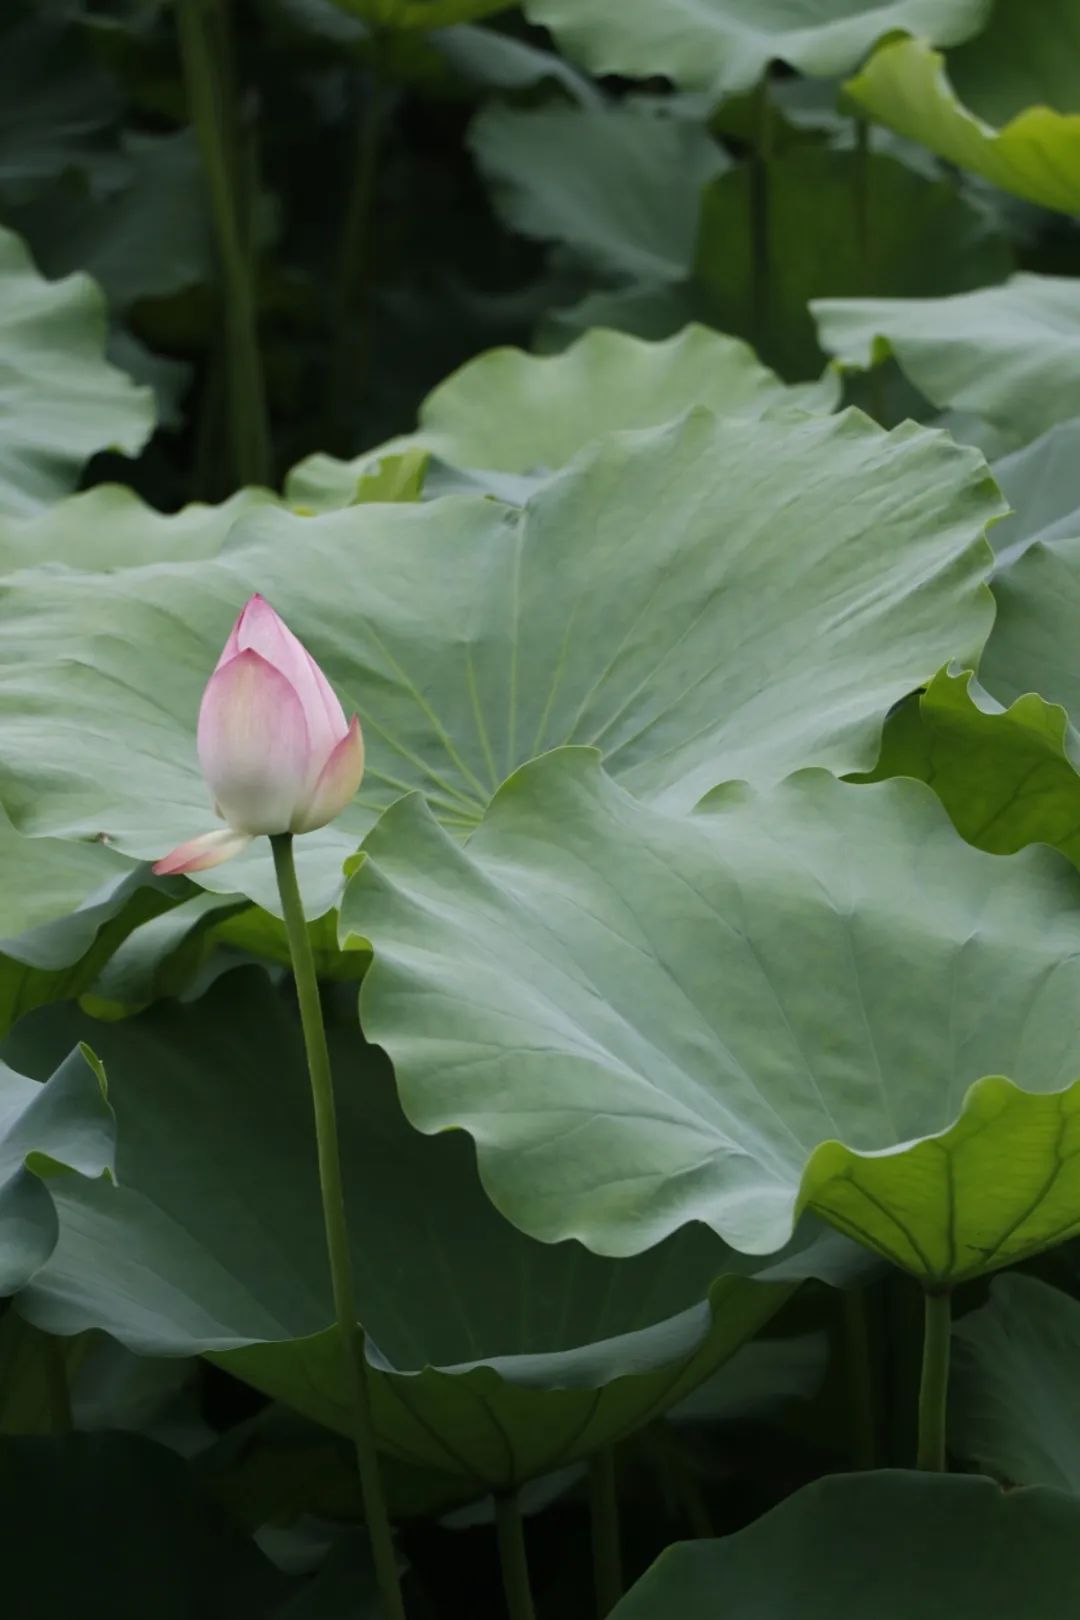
543,1080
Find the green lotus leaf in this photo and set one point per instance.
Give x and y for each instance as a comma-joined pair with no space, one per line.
514,412
1009,354
912,236
110,527
64,1123
620,185
1041,482
57,104
890,1545
703,600
60,400
144,234
1016,77
63,955
1014,1406
726,45
1031,649
795,997
495,1357
1007,777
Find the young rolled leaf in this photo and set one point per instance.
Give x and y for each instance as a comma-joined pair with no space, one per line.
810,996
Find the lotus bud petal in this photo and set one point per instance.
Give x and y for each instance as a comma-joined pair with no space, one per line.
274,745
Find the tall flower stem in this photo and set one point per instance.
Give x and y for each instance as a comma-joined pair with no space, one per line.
934,1388
337,1237
604,1514
512,1559
204,50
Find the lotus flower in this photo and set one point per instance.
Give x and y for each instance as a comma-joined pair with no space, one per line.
274,745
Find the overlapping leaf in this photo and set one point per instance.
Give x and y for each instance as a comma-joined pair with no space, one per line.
726,45
809,995
1005,105
1010,353
45,1128
887,1545
1015,1403
496,1357
60,401
705,600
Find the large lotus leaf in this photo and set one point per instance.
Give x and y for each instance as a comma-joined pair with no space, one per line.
112,1523
56,102
496,1357
1010,353
1014,1406
110,527
803,996
1007,776
60,401
715,598
44,1128
1041,482
1031,649
881,1546
1006,107
148,236
912,236
620,185
726,45
516,412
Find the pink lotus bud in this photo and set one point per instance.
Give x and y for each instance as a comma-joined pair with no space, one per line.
274,745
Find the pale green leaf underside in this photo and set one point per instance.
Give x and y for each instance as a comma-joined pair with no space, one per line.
1010,353
889,1545
726,45
1035,154
1014,1406
700,601
60,400
498,1357
788,998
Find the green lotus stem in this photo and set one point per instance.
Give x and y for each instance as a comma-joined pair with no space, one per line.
604,1518
212,102
934,1388
860,1379
355,272
759,210
512,1559
864,239
57,1387
337,1236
